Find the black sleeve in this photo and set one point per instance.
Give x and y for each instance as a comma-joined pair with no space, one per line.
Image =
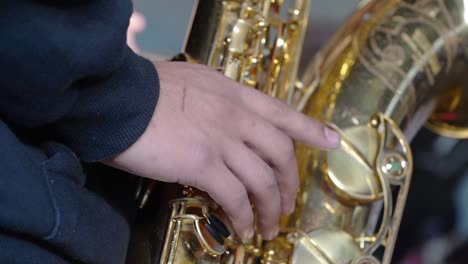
65,65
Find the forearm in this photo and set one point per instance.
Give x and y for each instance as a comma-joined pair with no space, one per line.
65,66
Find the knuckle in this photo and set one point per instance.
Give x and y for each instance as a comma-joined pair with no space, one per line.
233,198
278,109
206,156
268,216
203,154
269,185
286,148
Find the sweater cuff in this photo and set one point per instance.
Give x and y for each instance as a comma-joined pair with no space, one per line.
110,115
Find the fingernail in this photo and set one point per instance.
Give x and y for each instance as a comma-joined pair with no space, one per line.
272,234
331,136
248,236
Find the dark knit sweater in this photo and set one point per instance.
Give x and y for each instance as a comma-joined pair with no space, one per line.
70,91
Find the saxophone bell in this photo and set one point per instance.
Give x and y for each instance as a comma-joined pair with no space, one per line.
449,117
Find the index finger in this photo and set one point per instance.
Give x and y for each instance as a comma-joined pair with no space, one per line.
295,124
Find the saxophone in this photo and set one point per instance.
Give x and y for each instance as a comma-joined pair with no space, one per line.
394,66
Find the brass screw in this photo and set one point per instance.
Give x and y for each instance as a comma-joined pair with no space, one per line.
394,165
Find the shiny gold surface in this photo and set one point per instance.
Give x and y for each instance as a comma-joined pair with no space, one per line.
188,224
334,241
375,83
342,166
450,117
252,41
393,58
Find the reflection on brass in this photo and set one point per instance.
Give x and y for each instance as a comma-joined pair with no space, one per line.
449,118
372,83
342,166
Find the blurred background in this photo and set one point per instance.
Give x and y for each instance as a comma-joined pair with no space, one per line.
435,224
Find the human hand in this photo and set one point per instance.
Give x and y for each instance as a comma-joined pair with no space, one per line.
231,141
137,24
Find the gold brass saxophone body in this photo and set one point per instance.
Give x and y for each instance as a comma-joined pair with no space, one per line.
394,66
